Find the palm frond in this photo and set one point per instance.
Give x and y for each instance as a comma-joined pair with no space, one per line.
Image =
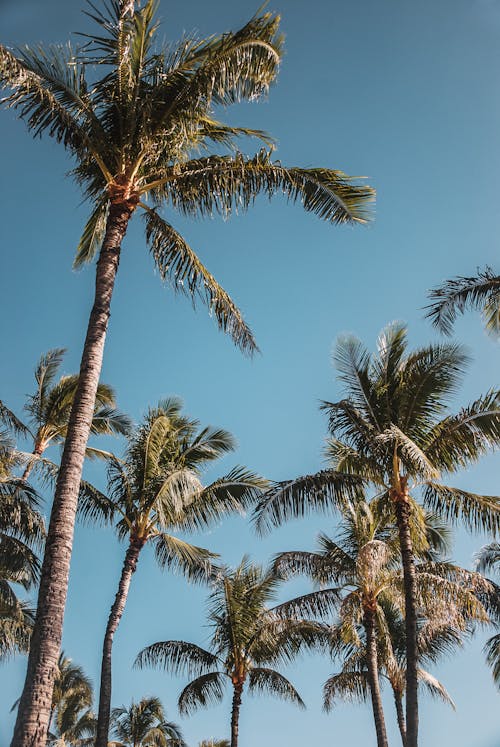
348,686
205,690
476,512
193,562
455,296
179,264
93,234
270,682
178,657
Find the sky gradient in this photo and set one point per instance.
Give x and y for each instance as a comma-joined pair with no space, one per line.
404,93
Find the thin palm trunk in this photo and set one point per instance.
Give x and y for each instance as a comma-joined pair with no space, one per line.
35,703
373,680
37,451
398,700
115,615
235,714
403,522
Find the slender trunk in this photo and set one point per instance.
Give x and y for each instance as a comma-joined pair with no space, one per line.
398,700
34,707
37,451
403,509
129,566
373,680
235,714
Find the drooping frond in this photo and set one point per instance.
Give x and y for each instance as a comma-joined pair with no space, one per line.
93,235
492,651
455,296
324,491
476,512
434,687
223,184
178,657
193,562
488,558
205,690
349,686
270,682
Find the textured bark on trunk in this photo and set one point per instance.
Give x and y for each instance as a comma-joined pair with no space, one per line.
373,681
235,714
129,566
34,707
403,521
398,700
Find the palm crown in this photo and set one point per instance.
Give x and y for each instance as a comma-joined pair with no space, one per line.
134,133
143,724
248,638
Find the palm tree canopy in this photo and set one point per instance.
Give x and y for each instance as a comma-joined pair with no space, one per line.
48,409
248,638
143,724
479,292
157,488
393,430
144,131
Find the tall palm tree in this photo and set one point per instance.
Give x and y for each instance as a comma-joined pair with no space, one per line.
157,490
393,433
479,292
247,640
139,126
143,724
49,407
488,559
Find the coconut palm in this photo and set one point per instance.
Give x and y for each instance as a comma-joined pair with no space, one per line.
71,683
157,490
393,433
143,724
247,640
49,408
139,122
22,532
479,292
488,559
74,724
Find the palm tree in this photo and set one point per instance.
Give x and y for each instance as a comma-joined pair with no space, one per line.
247,639
392,432
157,490
143,724
49,408
486,560
139,135
22,532
71,683
479,292
75,724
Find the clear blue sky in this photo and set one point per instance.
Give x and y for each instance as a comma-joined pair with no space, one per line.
406,93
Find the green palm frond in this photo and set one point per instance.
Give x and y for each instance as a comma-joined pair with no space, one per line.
476,512
205,690
492,651
348,686
179,264
178,657
263,680
13,423
324,491
93,234
193,562
455,296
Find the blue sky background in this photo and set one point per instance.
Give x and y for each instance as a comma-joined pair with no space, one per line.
405,93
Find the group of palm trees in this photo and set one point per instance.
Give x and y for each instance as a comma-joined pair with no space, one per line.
139,122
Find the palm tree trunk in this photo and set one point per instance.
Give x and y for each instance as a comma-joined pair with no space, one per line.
373,680
403,509
34,707
37,451
235,714
398,700
129,566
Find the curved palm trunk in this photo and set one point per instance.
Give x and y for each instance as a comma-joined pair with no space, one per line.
403,522
37,452
373,680
129,566
34,707
235,714
398,700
